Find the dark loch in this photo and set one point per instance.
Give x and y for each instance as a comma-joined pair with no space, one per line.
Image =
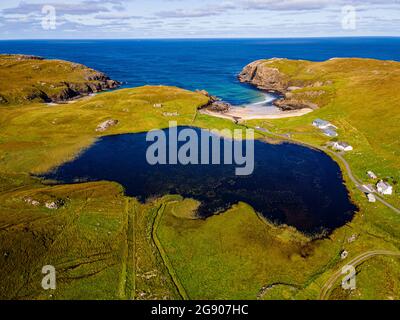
291,184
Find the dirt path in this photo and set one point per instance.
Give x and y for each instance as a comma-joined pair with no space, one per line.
171,271
127,288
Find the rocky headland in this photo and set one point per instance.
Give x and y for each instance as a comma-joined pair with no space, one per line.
296,94
26,78
214,103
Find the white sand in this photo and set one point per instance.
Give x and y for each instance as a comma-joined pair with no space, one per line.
264,109
245,114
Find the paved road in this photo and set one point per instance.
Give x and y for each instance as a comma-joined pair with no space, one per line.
358,183
326,289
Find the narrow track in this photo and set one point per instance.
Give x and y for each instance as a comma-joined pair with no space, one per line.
174,278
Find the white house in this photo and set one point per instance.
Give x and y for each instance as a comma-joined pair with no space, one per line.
342,146
372,175
371,198
330,133
323,124
384,188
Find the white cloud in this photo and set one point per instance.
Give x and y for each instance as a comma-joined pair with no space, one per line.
180,18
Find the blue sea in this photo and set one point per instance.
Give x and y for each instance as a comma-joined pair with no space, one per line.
199,64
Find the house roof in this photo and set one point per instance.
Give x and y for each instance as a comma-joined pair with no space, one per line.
330,132
371,197
343,144
383,185
321,122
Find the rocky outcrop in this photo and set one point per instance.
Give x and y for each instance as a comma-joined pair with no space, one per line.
205,93
264,76
20,57
29,80
38,95
294,104
71,90
3,100
51,204
54,205
214,103
219,106
106,125
32,202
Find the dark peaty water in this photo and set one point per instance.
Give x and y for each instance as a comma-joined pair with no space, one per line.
291,184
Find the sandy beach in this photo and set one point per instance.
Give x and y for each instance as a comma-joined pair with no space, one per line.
258,110
238,113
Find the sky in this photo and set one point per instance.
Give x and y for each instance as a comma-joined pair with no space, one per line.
112,19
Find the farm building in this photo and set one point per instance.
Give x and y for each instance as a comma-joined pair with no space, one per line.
384,188
330,133
372,175
342,146
323,124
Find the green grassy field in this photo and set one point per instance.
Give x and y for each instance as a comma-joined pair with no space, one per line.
27,79
105,245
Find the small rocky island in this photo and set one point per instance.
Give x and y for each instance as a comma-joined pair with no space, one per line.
27,78
214,103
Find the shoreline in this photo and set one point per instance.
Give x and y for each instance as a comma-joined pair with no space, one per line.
237,114
265,109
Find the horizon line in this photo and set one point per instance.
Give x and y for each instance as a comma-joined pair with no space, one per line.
206,38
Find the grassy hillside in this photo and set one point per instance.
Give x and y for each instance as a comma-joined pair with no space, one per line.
25,79
37,137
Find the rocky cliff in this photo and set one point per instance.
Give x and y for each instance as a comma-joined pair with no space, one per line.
25,79
296,94
262,76
214,104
